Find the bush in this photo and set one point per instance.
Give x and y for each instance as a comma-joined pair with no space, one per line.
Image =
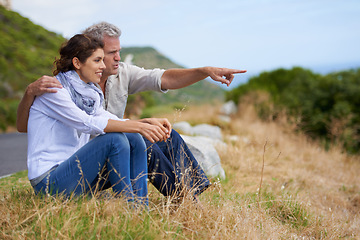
8,110
327,106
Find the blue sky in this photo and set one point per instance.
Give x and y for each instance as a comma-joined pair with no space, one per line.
257,35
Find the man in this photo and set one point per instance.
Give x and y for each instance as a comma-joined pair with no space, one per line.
172,168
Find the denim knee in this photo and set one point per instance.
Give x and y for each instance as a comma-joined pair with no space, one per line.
136,141
175,136
117,139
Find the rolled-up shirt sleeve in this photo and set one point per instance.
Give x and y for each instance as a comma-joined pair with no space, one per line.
145,79
59,106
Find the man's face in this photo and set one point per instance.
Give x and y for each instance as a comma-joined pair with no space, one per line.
112,55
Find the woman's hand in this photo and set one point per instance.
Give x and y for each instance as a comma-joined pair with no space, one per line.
163,123
153,129
153,132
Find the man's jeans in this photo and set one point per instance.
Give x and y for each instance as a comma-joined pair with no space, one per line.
173,169
121,155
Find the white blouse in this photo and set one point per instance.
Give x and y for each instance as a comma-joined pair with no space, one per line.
57,128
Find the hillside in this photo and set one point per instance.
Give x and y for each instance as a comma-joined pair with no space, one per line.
27,51
148,58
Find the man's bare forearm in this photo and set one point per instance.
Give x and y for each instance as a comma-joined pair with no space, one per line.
23,111
45,84
180,78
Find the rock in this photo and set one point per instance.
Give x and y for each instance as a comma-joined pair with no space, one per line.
224,118
235,138
202,145
207,131
198,130
229,108
183,127
205,153
129,59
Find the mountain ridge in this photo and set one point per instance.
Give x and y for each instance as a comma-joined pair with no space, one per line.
27,51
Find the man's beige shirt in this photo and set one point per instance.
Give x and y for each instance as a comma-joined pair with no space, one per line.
129,80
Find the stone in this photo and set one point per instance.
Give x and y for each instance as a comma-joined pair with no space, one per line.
198,130
129,59
207,131
205,153
183,127
225,118
228,108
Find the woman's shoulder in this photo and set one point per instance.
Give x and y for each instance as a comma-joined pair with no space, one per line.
61,94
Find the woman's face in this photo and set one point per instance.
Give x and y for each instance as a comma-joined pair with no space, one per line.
91,70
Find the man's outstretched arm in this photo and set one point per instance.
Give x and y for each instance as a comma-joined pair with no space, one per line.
179,78
45,84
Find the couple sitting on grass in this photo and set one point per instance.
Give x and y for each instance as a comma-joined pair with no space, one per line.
125,153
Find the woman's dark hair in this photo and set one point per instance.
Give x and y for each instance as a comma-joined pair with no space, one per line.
80,46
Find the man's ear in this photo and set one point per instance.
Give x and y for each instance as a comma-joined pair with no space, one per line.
76,63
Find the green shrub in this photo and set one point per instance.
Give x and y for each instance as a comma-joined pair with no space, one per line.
8,110
327,105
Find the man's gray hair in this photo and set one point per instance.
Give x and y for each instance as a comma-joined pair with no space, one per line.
99,30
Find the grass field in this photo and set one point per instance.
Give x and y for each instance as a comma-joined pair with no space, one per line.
278,185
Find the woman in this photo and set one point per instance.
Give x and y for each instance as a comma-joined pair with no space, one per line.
60,157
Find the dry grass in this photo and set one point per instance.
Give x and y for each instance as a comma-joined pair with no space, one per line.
325,183
306,193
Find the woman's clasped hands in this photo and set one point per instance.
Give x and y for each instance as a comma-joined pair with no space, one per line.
155,129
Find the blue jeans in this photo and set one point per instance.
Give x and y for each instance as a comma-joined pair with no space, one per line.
173,169
122,157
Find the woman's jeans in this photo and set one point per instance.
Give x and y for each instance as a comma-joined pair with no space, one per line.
118,159
173,169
